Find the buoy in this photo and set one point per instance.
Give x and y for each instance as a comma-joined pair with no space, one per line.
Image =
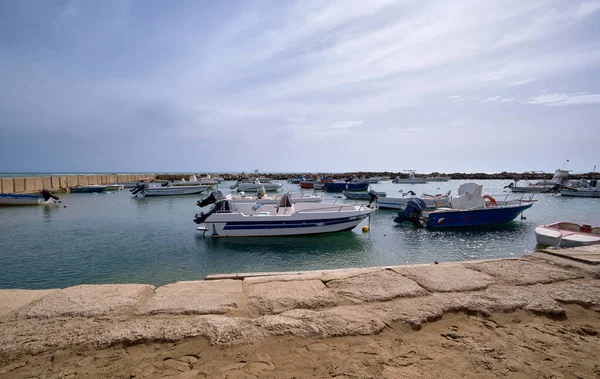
365,229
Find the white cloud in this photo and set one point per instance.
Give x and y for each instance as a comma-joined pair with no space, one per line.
563,99
520,82
498,99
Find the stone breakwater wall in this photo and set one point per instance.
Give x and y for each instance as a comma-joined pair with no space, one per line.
305,304
385,174
58,183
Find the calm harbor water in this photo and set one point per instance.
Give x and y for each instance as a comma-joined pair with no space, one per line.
114,238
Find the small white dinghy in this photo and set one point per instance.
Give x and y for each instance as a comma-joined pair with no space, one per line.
567,234
46,198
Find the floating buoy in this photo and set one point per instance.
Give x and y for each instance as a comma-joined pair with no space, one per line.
365,229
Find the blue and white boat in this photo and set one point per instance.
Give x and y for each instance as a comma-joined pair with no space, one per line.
345,186
227,218
46,198
468,209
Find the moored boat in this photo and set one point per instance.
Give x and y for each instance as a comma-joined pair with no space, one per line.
143,190
255,185
567,234
46,198
468,209
411,178
92,188
363,195
345,186
229,219
263,198
584,189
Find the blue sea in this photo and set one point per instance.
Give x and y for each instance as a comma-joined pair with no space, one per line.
115,238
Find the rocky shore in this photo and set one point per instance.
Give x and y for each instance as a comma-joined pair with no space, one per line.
509,176
534,316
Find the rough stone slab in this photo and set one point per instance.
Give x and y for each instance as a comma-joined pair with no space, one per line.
88,301
38,183
585,254
8,185
584,268
523,272
277,297
72,181
19,185
447,278
380,285
285,276
195,297
29,184
12,300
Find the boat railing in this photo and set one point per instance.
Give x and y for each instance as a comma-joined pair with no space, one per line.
334,208
512,198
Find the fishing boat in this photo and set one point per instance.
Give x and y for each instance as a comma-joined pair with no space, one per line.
541,186
45,198
143,190
339,186
262,198
93,188
468,209
227,218
581,192
431,201
411,178
255,185
363,195
567,234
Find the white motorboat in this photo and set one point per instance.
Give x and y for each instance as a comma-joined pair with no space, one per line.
227,218
567,234
143,190
542,186
581,188
255,185
411,178
431,201
46,198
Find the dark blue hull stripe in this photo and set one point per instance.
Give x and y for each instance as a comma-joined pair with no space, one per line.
244,225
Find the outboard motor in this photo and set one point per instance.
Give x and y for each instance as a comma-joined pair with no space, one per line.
220,205
211,199
47,195
138,188
555,188
412,212
374,196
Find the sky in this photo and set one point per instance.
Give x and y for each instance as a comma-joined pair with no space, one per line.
299,86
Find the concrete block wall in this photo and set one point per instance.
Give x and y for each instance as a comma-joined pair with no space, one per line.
38,183
19,185
72,181
63,182
8,185
55,182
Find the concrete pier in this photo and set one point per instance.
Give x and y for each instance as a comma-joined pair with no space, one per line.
62,182
316,304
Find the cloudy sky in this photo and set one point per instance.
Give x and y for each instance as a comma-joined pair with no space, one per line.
449,86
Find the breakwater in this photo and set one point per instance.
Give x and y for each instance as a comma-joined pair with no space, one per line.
385,174
62,182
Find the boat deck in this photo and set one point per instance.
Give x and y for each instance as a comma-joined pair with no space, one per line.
586,254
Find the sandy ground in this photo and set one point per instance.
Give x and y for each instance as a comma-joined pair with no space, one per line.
517,345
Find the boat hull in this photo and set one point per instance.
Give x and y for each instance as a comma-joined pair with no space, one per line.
271,228
530,189
17,199
173,191
257,186
580,193
87,189
343,186
409,181
475,217
564,235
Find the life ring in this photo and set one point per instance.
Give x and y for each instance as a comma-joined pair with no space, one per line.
491,199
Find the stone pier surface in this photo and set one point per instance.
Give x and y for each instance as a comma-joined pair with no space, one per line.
314,304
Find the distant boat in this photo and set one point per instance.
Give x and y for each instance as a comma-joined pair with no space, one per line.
468,209
345,186
438,178
411,178
567,234
255,185
46,198
87,189
581,189
542,186
229,219
143,190
362,195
